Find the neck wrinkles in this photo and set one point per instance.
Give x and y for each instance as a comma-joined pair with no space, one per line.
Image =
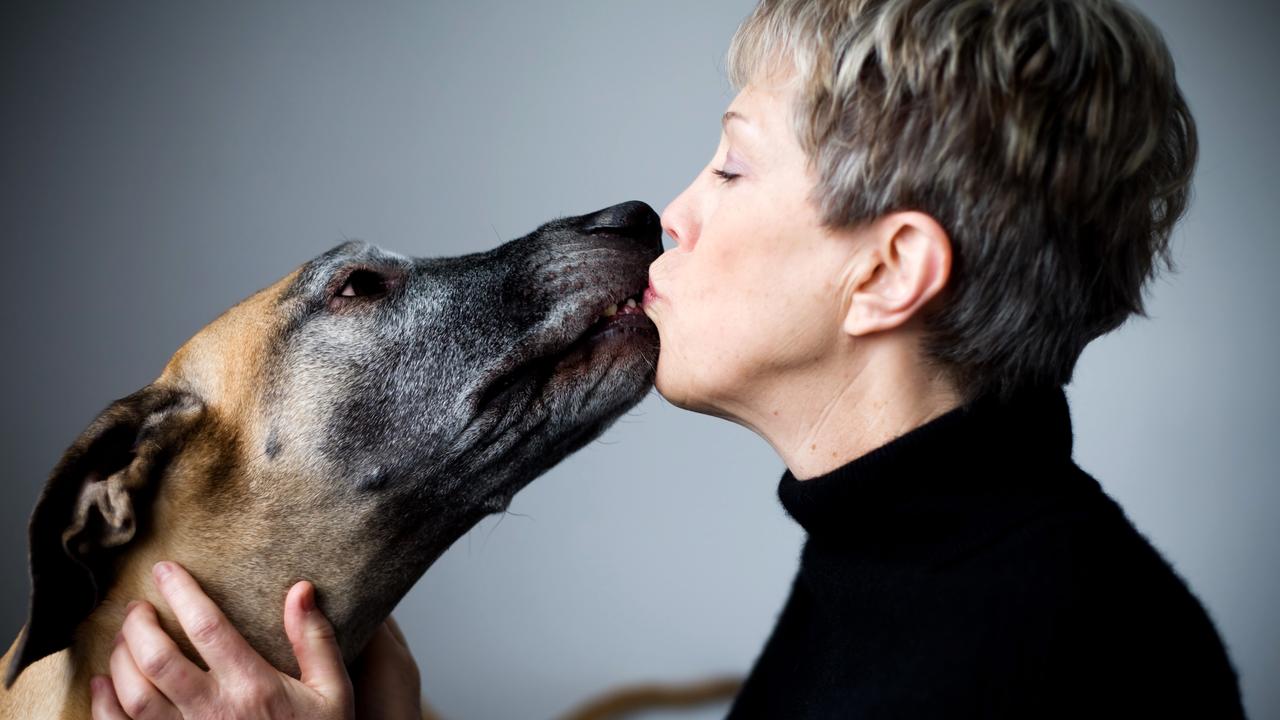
846,406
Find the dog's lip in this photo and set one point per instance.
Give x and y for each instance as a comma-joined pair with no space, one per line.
587,321
545,355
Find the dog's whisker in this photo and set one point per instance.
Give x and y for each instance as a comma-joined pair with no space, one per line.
489,534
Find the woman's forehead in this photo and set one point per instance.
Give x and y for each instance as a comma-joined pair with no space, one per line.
761,108
758,120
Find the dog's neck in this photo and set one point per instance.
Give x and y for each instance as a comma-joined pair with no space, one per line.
247,584
57,686
44,691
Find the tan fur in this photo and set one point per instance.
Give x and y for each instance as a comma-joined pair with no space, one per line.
281,527
47,689
215,475
224,365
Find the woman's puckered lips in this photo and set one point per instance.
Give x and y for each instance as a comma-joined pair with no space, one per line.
651,293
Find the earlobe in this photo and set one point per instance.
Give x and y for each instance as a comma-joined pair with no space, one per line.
909,265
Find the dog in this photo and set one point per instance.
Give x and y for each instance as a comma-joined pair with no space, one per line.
344,425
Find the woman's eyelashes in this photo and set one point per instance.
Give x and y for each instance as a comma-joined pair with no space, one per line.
731,169
724,175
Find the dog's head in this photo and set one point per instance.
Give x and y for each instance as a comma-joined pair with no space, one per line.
346,425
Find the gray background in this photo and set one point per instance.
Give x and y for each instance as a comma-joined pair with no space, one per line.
162,161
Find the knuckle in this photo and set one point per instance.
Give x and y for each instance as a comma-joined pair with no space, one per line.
135,701
206,629
155,665
155,662
322,631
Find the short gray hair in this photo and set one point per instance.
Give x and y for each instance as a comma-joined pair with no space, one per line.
1048,137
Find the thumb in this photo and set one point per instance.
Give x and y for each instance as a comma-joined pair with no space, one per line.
315,644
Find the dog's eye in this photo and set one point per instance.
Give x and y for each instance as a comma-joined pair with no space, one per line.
362,284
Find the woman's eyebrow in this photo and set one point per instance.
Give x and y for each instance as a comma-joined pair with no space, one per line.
748,137
731,115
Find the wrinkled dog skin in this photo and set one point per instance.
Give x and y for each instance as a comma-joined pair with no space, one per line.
344,425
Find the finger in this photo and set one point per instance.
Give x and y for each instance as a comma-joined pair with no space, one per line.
396,633
374,658
386,679
217,641
383,641
105,704
158,658
385,653
138,698
315,644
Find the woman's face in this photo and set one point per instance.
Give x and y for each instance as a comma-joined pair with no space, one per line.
749,300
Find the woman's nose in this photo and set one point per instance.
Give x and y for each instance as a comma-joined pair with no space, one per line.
678,223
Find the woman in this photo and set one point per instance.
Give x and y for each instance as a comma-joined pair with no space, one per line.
919,214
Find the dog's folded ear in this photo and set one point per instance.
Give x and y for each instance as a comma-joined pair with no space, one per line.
91,506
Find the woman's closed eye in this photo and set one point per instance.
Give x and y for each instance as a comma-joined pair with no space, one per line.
724,175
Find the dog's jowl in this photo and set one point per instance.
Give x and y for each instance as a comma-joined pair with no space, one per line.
344,425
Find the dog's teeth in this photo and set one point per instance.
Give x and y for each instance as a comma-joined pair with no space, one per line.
611,310
631,302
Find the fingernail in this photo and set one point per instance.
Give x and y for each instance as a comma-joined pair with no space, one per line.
308,599
129,608
119,638
95,684
161,570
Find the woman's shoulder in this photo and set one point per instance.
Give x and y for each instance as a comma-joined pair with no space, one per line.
1079,548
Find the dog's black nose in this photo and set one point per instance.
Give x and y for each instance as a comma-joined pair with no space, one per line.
632,219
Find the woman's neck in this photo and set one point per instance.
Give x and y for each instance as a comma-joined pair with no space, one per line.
851,403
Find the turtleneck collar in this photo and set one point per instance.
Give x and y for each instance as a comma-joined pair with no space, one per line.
959,470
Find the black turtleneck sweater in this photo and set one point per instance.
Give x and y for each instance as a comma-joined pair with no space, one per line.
969,569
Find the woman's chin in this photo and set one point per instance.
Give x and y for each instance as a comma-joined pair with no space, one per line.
673,385
685,390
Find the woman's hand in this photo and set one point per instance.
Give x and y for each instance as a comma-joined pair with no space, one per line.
152,680
387,683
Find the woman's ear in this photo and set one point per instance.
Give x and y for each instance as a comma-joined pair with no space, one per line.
908,263
89,509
